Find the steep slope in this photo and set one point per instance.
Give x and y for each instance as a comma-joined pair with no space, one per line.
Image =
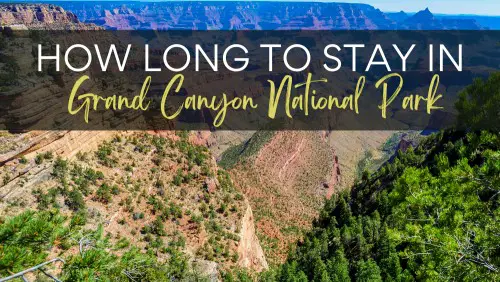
285,176
24,156
431,214
351,148
288,175
144,189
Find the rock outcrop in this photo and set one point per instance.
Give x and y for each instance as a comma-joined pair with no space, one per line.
222,15
250,252
40,16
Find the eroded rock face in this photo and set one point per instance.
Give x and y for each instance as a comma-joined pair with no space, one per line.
40,16
250,252
208,269
279,15
231,15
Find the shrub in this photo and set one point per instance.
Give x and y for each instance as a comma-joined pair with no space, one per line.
27,238
103,154
103,194
60,168
138,215
74,200
178,178
40,157
23,160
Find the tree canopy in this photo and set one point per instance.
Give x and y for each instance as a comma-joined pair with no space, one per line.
431,214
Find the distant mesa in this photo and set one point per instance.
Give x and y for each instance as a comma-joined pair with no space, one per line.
223,15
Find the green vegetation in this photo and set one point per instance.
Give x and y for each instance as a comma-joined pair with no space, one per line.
9,70
26,240
104,155
43,156
74,183
367,164
431,214
26,237
370,163
245,150
159,203
479,105
104,193
23,160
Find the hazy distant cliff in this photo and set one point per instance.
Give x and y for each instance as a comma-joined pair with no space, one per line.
230,15
426,20
40,16
216,15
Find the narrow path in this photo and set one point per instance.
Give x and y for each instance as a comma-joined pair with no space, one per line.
292,157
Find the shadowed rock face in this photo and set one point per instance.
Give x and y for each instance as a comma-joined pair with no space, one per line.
230,15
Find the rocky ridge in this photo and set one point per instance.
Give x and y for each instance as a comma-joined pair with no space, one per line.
40,16
212,15
426,20
261,15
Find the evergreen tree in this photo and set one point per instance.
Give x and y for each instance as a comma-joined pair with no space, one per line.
338,267
368,271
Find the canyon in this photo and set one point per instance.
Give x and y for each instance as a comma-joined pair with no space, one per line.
44,16
230,15
259,15
283,177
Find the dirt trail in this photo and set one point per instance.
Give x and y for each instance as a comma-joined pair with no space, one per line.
292,157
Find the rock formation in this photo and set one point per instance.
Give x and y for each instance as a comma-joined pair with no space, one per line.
425,20
40,16
231,15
